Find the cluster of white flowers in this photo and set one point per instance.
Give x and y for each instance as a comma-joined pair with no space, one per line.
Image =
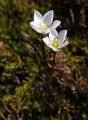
44,25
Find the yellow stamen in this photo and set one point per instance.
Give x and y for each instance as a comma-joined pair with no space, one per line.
56,43
43,26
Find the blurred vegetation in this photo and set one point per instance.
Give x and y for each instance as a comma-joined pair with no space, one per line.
24,95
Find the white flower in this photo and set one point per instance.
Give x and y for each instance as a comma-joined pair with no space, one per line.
56,41
43,24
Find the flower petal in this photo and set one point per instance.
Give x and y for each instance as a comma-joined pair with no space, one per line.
53,34
62,35
55,24
37,17
47,31
33,25
54,49
47,41
48,17
63,44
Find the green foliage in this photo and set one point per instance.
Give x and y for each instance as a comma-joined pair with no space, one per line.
24,93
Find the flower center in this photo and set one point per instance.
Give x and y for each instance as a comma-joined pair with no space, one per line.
43,26
56,43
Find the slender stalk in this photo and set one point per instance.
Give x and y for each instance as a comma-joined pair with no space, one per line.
53,63
36,50
40,71
29,40
53,60
42,57
44,54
